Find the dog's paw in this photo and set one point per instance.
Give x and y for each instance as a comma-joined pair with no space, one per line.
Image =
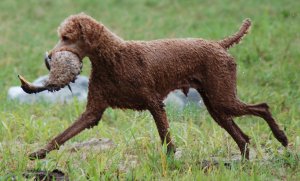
171,149
41,154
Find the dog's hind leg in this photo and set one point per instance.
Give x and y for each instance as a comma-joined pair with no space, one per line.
246,137
159,115
262,110
228,124
238,136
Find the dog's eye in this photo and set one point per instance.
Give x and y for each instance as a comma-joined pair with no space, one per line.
65,38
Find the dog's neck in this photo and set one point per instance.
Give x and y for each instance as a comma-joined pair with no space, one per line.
108,44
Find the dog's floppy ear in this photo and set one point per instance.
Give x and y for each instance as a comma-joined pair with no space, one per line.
90,30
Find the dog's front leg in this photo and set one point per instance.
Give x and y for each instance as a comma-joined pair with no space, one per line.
159,114
88,119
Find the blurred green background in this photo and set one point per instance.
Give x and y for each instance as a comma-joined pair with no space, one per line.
268,70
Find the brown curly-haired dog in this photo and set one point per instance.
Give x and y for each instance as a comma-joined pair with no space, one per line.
139,75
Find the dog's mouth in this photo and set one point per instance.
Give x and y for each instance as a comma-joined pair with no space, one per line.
64,67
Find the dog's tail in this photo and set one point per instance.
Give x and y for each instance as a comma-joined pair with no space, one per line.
237,37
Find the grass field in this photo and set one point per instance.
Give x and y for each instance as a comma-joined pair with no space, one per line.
268,70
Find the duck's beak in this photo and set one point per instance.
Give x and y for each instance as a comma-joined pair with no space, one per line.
47,60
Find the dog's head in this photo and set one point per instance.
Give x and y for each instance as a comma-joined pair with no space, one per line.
78,34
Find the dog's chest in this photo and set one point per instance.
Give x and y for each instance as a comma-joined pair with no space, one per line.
121,92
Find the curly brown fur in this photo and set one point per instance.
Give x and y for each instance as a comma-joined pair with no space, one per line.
139,75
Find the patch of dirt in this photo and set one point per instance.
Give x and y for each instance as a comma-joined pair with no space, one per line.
95,144
130,162
206,165
46,175
178,154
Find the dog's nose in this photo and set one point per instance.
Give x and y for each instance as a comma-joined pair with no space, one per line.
47,59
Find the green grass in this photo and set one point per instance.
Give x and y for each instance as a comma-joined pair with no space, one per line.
268,70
